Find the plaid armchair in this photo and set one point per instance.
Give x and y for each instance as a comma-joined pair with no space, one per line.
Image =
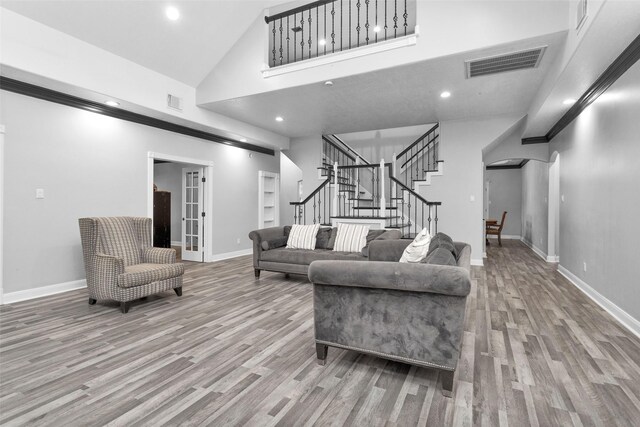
121,264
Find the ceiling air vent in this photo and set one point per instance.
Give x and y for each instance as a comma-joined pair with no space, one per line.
520,60
174,102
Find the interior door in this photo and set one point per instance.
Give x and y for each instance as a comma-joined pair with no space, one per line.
192,214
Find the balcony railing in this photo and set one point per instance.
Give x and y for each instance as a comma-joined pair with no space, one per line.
329,26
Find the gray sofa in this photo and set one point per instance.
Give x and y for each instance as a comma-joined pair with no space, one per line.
296,261
412,313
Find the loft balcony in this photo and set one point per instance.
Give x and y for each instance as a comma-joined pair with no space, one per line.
330,30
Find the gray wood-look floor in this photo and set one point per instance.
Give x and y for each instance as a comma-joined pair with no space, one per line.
238,351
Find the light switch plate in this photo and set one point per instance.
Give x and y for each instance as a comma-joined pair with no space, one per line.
39,193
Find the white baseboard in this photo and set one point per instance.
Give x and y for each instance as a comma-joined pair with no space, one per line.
506,236
43,291
553,258
535,249
478,262
228,255
619,314
176,243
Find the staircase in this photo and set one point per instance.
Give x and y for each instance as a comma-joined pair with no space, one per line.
383,195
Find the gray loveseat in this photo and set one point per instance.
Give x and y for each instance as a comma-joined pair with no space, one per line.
412,313
270,252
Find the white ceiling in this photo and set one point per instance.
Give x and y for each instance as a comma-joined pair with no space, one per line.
398,96
186,49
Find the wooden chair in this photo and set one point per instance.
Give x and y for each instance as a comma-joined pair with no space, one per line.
495,229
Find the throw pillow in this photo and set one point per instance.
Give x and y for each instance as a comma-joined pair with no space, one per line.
332,239
417,250
278,242
351,237
440,256
303,236
371,236
322,238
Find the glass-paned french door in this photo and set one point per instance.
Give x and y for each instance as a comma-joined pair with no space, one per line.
192,214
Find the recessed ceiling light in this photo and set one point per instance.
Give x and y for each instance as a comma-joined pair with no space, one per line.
243,139
445,94
112,103
328,83
172,13
376,29
322,42
279,119
569,101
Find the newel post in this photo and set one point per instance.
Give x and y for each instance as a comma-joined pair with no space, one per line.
383,201
394,162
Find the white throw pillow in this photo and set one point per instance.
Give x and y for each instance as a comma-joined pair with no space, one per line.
351,237
417,250
302,236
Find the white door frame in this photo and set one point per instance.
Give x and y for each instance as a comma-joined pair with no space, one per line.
208,193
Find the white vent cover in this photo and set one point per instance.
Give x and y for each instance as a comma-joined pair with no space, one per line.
519,60
174,102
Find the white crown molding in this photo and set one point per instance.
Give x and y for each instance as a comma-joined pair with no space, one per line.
619,314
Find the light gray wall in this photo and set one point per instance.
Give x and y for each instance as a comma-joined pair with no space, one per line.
306,153
168,177
509,146
290,174
93,165
535,210
505,194
599,178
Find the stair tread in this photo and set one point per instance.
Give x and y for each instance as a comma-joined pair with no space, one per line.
365,217
363,200
373,207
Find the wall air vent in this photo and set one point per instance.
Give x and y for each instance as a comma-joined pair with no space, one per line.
512,61
174,102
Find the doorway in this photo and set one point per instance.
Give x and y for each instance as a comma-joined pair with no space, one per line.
192,221
553,254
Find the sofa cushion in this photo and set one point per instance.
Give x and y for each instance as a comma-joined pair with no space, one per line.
143,274
440,256
417,250
306,257
278,242
303,236
371,236
351,237
323,237
441,240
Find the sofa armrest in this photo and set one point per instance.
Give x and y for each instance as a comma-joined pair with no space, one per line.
419,277
159,256
258,236
387,250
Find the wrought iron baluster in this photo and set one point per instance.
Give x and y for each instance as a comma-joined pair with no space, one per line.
288,38
349,29
376,29
281,57
358,26
318,30
395,19
436,227
405,15
295,39
333,32
366,25
385,19
310,32
429,219
274,43
302,35
314,208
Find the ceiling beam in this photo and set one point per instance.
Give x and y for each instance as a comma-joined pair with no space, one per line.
50,95
618,67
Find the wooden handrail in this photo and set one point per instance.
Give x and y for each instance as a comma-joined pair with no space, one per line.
427,145
350,149
298,9
416,195
316,191
327,140
418,140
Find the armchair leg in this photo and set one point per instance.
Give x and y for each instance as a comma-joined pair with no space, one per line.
321,352
178,291
92,301
499,240
124,306
447,383
286,275
257,273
